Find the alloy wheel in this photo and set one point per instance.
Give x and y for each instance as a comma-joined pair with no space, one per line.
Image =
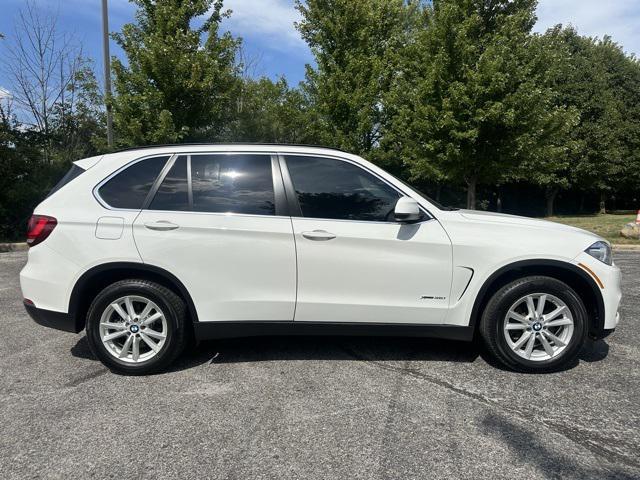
538,327
133,329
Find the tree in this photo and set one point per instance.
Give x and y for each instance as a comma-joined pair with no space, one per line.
603,84
23,173
178,81
352,42
79,123
42,67
51,116
472,104
550,60
272,112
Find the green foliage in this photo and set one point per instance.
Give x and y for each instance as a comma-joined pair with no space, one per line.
473,102
22,177
76,131
603,84
178,81
453,93
271,112
353,42
78,122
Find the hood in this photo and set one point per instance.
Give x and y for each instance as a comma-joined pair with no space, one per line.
503,218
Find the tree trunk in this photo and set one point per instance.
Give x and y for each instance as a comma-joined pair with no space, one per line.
603,203
471,193
499,201
581,208
551,194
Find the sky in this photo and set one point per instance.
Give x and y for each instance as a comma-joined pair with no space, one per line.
272,42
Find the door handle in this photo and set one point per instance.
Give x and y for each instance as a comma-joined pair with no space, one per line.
318,235
161,226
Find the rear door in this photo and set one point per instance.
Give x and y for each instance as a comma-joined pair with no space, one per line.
355,262
215,222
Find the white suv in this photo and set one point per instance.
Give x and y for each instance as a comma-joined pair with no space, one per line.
148,248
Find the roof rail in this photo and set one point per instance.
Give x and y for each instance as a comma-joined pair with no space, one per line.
230,144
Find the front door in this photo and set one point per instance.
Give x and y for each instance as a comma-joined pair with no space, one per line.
213,224
355,263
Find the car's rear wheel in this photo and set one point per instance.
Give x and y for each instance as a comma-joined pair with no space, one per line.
136,326
534,324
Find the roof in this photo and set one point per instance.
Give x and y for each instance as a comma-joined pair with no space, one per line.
234,144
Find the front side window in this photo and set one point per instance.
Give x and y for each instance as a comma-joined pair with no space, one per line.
237,183
335,189
173,193
129,188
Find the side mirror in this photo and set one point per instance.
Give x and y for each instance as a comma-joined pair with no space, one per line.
407,210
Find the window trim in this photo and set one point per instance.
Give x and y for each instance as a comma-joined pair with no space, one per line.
189,184
294,204
102,201
163,174
159,179
279,189
286,200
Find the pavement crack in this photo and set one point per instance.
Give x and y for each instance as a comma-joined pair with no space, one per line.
590,441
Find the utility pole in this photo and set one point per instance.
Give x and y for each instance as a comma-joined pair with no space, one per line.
107,71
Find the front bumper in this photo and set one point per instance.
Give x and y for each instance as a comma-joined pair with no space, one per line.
51,319
609,281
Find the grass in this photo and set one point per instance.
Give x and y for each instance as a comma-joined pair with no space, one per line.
607,226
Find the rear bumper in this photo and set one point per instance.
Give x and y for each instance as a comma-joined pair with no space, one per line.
47,277
51,319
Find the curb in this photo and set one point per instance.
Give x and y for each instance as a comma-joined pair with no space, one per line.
13,247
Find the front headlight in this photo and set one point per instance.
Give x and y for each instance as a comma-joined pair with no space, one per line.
601,251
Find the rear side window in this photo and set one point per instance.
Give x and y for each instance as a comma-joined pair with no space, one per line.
130,187
72,173
173,193
241,183
335,189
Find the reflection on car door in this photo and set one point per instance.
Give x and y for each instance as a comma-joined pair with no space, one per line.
355,263
213,224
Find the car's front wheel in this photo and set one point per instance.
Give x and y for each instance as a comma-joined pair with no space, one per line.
136,326
534,324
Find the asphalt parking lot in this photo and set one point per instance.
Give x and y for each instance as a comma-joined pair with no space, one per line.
279,408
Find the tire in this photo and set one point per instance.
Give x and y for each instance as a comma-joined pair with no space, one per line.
168,331
503,345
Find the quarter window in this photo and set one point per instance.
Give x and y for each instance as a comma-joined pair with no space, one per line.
130,187
237,183
335,189
173,193
73,173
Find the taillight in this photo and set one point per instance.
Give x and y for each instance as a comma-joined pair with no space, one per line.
39,228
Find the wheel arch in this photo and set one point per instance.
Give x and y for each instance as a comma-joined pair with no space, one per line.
583,284
97,278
